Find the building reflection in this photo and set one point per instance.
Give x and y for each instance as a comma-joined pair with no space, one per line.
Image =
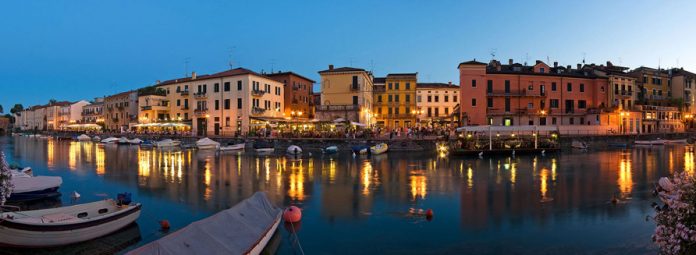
625,181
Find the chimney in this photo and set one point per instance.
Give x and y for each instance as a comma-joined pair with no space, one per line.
568,68
193,75
509,61
579,65
555,64
330,67
450,83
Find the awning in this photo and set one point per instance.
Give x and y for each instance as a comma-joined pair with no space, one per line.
507,129
357,124
169,124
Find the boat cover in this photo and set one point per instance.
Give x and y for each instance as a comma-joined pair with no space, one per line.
206,141
135,141
38,183
83,137
233,231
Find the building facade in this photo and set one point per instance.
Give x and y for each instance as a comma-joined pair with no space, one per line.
297,94
93,113
654,86
153,107
516,94
347,93
70,114
436,103
231,102
120,111
623,92
394,100
683,83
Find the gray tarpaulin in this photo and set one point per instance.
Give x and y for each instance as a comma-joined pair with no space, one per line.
233,231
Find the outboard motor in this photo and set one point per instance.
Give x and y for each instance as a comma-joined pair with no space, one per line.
123,198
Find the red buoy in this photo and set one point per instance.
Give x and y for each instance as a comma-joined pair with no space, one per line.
292,214
429,213
164,224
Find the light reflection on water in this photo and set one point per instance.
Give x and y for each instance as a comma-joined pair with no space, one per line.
534,203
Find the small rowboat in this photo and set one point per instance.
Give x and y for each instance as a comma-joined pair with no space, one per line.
246,228
65,225
207,144
84,138
294,150
110,140
233,147
379,148
330,149
28,187
360,149
168,143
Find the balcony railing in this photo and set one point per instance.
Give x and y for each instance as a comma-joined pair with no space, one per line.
146,108
200,111
184,92
516,93
258,92
200,95
354,87
257,111
184,108
338,108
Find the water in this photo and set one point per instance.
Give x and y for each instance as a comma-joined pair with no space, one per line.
559,203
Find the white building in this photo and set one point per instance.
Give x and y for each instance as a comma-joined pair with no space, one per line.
224,103
436,102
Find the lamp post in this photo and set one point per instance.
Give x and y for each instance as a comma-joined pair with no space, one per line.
417,113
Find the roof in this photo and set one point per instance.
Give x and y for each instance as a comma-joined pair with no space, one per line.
681,72
379,80
471,62
119,94
402,74
228,73
436,85
288,73
342,69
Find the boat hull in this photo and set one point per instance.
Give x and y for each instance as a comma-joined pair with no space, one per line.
21,235
266,237
207,147
34,195
236,147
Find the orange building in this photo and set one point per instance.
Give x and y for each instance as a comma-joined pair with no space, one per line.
516,94
298,90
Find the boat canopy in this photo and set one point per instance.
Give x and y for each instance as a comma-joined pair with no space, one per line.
206,141
233,231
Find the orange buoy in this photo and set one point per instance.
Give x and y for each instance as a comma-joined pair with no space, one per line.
292,214
164,224
429,214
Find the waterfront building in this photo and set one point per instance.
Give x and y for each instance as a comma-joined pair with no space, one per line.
654,86
394,100
153,107
93,113
53,114
120,111
4,125
436,103
517,94
32,118
661,119
623,92
683,85
347,93
231,102
297,94
70,114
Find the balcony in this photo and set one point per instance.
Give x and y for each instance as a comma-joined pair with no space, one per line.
184,92
518,93
338,108
115,120
398,116
200,111
257,111
258,92
154,107
184,107
354,87
200,95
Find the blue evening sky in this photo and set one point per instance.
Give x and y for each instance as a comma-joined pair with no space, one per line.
70,50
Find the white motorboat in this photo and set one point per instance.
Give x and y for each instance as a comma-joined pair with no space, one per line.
579,145
676,141
110,140
294,150
207,144
28,187
263,147
135,141
96,139
84,138
253,221
168,143
233,147
65,225
123,141
330,149
379,149
264,150
650,142
24,172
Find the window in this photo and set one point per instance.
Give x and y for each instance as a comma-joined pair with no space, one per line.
530,105
389,98
553,86
239,103
553,120
408,85
507,104
227,104
227,86
217,104
437,98
396,98
430,112
454,99
473,83
489,102
507,86
239,85
572,121
379,98
216,87
418,99
570,87
227,121
473,102
178,102
616,89
355,100
437,110
542,70
390,110
396,110
446,111
408,98
446,98
396,86
542,104
582,87
553,103
489,86
430,98
389,86
582,104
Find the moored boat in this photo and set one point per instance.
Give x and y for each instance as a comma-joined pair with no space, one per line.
262,147
379,148
110,140
233,147
84,138
676,141
167,143
579,145
123,141
330,149
246,228
650,142
294,150
146,144
135,141
360,149
96,139
65,225
27,187
207,144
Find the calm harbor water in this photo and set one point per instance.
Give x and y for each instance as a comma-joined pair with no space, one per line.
559,203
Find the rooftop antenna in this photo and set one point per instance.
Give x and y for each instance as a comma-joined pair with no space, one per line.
493,51
351,62
186,66
526,58
372,66
584,55
229,56
548,60
659,63
272,64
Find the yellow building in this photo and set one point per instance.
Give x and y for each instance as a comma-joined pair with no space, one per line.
346,93
395,100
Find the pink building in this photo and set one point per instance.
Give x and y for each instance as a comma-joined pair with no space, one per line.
516,94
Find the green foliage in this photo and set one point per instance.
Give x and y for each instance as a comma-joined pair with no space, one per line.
17,108
152,90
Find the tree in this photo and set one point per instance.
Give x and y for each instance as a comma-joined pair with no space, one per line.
1,111
52,101
6,185
17,108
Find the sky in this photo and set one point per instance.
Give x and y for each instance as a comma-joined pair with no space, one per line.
72,50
